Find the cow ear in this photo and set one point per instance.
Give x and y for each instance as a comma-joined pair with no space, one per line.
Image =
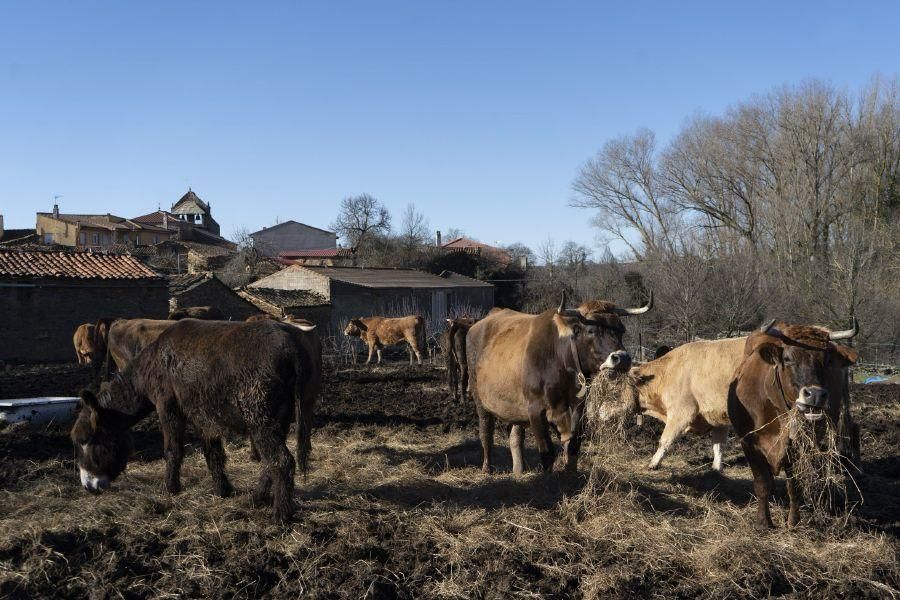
449,321
846,355
361,325
769,352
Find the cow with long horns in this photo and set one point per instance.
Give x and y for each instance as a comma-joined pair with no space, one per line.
532,370
785,367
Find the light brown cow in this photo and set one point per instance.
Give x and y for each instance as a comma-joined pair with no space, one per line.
785,367
378,332
687,389
531,370
84,344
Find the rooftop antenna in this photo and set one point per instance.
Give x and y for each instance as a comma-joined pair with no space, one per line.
55,198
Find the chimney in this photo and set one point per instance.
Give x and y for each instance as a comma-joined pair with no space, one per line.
1,224
165,220
437,239
56,211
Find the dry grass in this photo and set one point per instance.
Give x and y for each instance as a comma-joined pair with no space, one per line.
404,511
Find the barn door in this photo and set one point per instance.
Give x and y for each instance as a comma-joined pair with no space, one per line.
438,309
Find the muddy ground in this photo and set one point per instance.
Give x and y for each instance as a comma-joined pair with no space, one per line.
395,505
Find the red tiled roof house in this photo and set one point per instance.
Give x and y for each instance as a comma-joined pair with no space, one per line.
45,296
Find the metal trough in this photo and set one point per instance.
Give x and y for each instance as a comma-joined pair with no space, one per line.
38,411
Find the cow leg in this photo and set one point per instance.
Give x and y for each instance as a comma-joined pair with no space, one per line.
414,348
573,446
794,496
516,447
278,471
672,431
453,379
371,349
719,437
486,433
171,422
378,352
463,377
762,483
538,423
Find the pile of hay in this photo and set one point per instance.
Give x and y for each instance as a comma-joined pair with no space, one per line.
817,467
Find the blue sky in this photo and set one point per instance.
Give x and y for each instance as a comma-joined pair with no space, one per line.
479,113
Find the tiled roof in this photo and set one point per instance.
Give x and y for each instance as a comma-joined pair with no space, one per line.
391,278
283,298
72,265
107,221
290,222
10,235
317,253
190,196
179,284
156,218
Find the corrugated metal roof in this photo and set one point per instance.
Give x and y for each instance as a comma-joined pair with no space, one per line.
72,265
394,278
316,253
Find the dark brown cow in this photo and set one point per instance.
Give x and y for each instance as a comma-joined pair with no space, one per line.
222,378
83,340
785,367
532,370
378,332
208,313
453,341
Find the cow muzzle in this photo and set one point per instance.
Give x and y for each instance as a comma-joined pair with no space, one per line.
812,402
619,360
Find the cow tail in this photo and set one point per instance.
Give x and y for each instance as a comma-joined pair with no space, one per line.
452,359
305,392
420,334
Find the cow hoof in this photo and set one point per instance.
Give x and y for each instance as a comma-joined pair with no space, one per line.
487,469
653,467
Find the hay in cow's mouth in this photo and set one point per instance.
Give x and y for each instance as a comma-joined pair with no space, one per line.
816,465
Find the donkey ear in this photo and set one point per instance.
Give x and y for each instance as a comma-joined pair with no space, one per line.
89,400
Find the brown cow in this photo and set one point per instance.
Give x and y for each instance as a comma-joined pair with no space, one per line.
453,342
785,367
127,337
208,313
532,370
222,378
687,389
378,332
83,339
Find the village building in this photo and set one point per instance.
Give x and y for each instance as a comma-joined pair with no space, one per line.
97,232
205,289
16,237
361,292
291,236
475,248
323,257
192,221
46,295
301,304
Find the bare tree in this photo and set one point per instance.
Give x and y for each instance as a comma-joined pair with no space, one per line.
414,229
360,218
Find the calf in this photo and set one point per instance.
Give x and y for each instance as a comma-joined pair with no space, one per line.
222,378
378,332
208,313
784,367
453,341
83,339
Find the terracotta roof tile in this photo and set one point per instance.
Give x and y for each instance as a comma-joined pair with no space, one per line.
316,253
72,265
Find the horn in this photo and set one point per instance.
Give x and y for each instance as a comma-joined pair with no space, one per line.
846,334
765,328
566,312
627,312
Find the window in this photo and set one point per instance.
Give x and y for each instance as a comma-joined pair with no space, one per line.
198,218
95,239
137,240
155,239
82,238
48,238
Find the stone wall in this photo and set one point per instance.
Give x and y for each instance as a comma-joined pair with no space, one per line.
292,236
38,318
